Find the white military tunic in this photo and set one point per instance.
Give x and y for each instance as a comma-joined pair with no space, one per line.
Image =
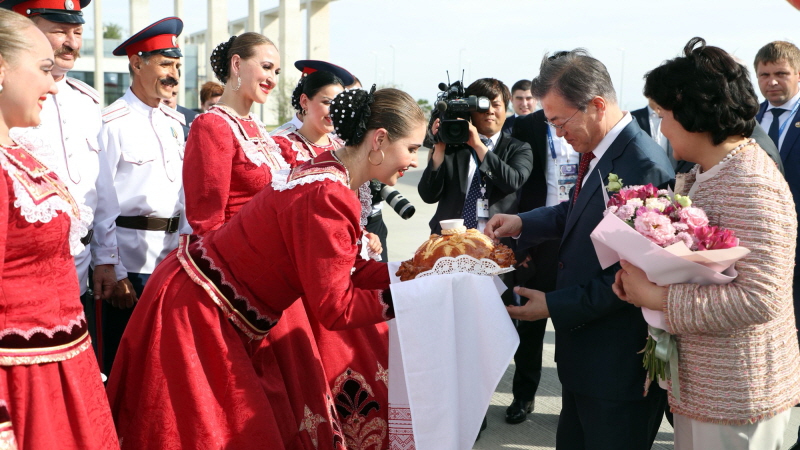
145,154
66,141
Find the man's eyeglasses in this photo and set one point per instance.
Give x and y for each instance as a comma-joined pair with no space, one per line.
561,127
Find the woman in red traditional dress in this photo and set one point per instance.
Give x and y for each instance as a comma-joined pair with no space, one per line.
230,158
229,154
191,370
50,383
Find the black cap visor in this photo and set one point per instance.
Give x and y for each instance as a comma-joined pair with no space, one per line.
58,15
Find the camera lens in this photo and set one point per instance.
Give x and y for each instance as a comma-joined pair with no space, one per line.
400,204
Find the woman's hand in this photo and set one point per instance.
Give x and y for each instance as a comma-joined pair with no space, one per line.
374,243
631,285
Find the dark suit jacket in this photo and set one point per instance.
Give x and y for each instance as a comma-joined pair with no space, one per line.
790,155
189,115
508,125
541,272
505,169
597,334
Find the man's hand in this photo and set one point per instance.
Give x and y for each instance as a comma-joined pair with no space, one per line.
124,296
105,280
374,243
475,142
631,285
535,309
437,155
503,225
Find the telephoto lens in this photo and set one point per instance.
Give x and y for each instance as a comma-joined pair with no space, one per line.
400,204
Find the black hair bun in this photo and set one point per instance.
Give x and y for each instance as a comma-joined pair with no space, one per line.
220,62
298,91
350,111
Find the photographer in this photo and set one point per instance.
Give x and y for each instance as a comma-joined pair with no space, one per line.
487,171
480,179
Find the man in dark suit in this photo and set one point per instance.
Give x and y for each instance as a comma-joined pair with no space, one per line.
544,188
522,103
598,336
777,67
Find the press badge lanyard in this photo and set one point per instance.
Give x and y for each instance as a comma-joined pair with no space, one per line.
550,143
482,205
788,119
478,171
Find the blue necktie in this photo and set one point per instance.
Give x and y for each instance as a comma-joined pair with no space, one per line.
474,192
774,127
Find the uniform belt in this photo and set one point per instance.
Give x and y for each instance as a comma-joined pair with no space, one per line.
88,238
169,225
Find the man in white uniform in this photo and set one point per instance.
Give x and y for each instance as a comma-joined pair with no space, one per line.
66,141
144,141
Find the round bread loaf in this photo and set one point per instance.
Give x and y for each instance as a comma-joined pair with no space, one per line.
470,242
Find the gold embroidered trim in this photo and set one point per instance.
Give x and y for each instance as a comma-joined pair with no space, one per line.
45,355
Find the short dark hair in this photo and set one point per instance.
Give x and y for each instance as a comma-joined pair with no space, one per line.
489,88
574,75
210,89
706,90
778,51
521,85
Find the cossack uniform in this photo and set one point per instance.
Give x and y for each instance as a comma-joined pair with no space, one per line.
144,148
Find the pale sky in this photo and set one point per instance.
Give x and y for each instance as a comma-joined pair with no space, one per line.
506,39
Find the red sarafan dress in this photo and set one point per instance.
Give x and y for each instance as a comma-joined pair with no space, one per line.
49,376
360,384
193,370
223,169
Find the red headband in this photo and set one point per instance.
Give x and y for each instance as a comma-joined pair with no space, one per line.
160,42
66,5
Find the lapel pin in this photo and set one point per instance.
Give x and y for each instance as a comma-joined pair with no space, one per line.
797,124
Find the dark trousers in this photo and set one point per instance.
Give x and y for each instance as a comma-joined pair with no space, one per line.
115,320
528,359
589,423
376,225
87,300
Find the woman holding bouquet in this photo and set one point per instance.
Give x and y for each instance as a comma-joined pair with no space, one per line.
739,365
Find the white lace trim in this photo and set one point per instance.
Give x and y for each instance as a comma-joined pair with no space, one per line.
365,197
49,332
258,151
280,185
250,307
50,208
465,263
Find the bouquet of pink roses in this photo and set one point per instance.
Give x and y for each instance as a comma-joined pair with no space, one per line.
668,219
672,241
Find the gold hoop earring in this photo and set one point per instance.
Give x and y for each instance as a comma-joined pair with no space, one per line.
238,83
369,158
1,88
303,112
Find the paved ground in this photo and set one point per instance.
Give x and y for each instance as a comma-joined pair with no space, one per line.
538,432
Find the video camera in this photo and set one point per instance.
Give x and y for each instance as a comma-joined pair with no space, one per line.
453,108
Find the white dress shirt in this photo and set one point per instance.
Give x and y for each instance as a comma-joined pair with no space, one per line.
66,141
145,155
766,121
655,128
609,138
564,155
